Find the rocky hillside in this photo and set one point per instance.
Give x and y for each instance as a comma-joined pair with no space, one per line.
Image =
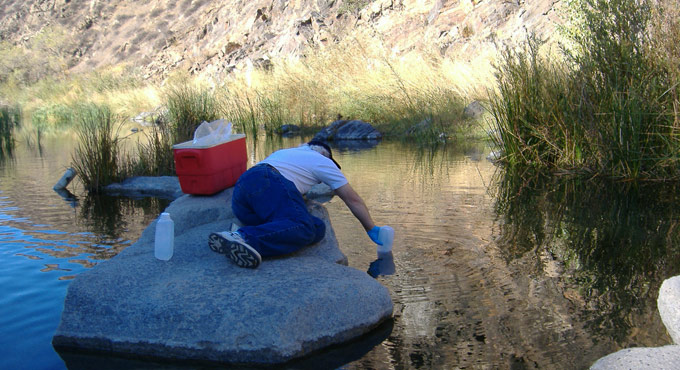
216,37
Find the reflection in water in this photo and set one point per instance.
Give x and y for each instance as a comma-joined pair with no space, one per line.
356,145
68,197
46,239
6,152
109,216
615,244
383,266
535,274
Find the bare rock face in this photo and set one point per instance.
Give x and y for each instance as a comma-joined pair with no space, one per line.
215,37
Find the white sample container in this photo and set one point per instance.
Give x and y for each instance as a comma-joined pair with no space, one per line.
164,243
386,237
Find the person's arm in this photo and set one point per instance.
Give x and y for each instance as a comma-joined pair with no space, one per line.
356,205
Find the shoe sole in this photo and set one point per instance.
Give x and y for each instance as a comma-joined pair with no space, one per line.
243,255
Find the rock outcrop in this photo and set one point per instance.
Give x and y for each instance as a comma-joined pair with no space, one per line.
213,38
201,306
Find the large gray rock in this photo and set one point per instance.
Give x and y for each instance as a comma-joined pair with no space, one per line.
200,306
348,130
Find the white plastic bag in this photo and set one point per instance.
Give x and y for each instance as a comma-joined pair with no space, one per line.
212,133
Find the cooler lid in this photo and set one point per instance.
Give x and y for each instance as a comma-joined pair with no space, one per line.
190,144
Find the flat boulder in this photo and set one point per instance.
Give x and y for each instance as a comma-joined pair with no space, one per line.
147,186
200,306
348,130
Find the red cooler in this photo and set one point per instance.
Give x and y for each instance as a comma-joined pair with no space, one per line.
208,169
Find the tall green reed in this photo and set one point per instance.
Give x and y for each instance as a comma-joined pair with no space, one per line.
603,108
533,112
97,156
154,156
188,107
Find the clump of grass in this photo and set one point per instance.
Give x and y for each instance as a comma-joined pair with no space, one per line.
608,106
97,155
154,157
53,117
187,107
532,112
392,92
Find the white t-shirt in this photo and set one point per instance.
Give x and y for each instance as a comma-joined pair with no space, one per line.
306,168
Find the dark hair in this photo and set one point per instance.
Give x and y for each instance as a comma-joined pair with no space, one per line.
325,146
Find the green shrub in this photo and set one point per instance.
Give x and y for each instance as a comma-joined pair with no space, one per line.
55,116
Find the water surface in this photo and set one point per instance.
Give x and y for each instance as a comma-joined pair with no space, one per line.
489,270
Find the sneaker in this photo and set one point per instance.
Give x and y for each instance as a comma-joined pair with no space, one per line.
232,244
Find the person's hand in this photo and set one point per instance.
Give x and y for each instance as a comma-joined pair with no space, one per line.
373,234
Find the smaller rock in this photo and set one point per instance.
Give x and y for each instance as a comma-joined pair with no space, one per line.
420,127
348,130
147,186
289,130
669,296
150,118
474,110
321,193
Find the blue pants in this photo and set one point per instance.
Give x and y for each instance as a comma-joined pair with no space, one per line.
274,214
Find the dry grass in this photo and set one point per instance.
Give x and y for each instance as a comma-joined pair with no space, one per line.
359,78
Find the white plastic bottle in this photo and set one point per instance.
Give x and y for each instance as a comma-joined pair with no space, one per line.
165,237
386,237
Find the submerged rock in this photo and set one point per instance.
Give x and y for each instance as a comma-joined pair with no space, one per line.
147,186
348,130
201,306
